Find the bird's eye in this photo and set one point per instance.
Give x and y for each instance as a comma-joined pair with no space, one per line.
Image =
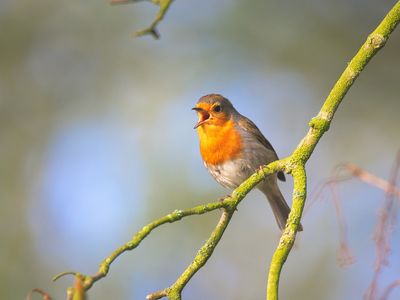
217,108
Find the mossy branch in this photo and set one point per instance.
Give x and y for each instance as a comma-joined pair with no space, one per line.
174,291
228,205
294,165
318,126
152,29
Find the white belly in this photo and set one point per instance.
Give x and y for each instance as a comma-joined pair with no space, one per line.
230,174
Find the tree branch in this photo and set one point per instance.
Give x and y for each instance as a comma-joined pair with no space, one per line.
205,252
319,125
152,29
229,204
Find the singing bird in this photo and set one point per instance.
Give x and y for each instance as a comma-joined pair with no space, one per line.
233,148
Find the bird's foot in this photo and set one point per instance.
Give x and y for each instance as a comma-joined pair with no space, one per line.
261,169
221,199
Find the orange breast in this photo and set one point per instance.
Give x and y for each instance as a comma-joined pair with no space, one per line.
219,143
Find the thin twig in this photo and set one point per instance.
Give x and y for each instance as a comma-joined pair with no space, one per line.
383,230
389,289
386,219
45,295
345,256
353,171
370,178
152,29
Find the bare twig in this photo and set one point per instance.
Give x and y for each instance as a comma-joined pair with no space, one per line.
386,220
389,289
45,295
367,177
345,256
383,230
152,29
345,172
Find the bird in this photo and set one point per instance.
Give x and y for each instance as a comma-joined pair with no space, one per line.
233,148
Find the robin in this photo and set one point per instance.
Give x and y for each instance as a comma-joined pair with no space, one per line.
233,148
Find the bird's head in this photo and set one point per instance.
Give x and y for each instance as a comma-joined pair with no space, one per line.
213,110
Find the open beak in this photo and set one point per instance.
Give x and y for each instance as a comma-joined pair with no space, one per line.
203,116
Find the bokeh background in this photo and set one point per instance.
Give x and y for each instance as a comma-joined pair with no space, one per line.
97,140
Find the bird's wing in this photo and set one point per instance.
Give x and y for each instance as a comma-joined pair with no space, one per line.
247,125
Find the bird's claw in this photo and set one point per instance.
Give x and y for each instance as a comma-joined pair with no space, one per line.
221,199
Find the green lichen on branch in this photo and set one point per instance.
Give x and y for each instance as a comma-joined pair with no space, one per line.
152,29
288,236
318,126
174,292
229,205
375,41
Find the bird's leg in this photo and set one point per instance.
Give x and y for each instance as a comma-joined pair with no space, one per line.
220,199
260,169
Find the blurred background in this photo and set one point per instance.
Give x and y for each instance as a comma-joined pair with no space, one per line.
97,141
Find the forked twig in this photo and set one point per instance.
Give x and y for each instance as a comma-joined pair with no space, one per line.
152,29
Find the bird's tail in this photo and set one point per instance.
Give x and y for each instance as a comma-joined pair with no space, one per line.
278,204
